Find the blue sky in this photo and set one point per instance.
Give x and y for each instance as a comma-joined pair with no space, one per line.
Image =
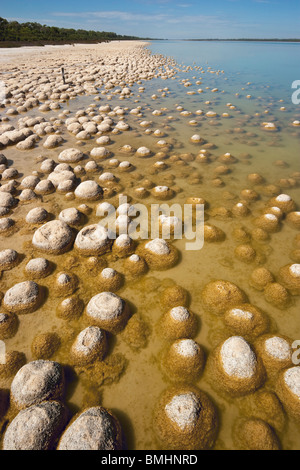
166,18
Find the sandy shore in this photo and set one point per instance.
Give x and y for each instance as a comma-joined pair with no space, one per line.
34,75
12,55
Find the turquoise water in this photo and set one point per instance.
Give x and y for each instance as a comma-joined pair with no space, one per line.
271,64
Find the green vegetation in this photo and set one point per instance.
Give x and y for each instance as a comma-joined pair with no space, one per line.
12,32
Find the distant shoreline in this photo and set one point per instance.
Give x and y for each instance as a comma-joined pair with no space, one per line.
244,40
11,55
18,44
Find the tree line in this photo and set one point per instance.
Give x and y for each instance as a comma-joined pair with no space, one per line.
12,31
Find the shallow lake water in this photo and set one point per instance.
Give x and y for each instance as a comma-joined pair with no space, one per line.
256,79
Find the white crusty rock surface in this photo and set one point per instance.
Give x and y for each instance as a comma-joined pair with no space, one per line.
94,429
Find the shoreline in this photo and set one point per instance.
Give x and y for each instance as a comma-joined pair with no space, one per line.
19,44
290,41
110,48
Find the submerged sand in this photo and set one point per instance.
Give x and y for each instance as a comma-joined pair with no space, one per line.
203,143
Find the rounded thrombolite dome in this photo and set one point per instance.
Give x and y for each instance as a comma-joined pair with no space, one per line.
255,434
260,278
175,296
293,220
268,222
143,152
108,311
159,254
70,308
38,215
6,224
47,166
71,155
100,152
110,280
45,187
274,210
288,390
107,178
4,211
219,296
89,191
275,352
66,187
60,175
65,284
249,195
38,268
213,234
36,428
195,201
141,192
55,237
169,225
241,234
289,277
135,265
27,195
162,192
245,253
36,382
93,240
92,167
8,325
123,246
125,166
277,295
246,320
177,323
284,202
94,429
8,259
7,200
255,178
185,419
89,346
240,210
183,361
264,404
71,216
259,235
13,361
123,224
234,367
24,297
3,159
45,345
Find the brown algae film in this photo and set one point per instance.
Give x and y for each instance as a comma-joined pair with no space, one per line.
123,317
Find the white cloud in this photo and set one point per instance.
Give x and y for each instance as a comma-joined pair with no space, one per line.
114,15
129,17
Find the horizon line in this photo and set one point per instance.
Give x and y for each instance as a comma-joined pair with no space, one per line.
228,39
